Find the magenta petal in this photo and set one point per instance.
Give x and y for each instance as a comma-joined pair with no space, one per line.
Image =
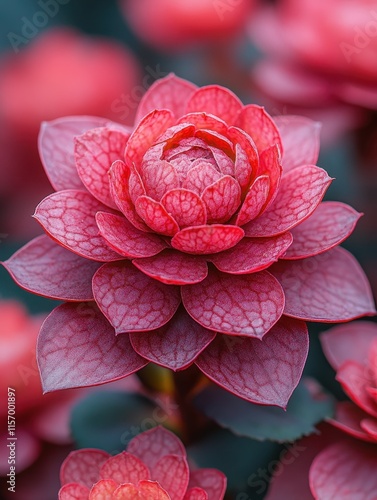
254,201
170,92
125,239
95,151
330,287
174,346
237,305
83,466
300,136
330,224
196,494
210,480
132,301
217,101
44,267
247,158
69,217
300,192
172,473
260,127
159,176
343,471
205,120
156,216
79,332
200,175
270,164
202,240
264,372
56,148
252,254
174,268
222,198
186,207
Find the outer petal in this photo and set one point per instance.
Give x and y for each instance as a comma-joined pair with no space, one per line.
252,254
170,92
330,287
131,300
237,305
175,345
83,466
217,101
69,217
345,471
73,491
95,151
211,480
330,224
124,468
75,332
300,138
261,372
300,192
174,268
260,126
172,473
202,240
56,148
125,239
45,268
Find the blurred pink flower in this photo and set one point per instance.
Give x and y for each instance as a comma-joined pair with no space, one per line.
154,467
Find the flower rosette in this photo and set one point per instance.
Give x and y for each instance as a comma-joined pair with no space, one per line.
198,236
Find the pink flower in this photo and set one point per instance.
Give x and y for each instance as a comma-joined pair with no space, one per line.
154,467
188,240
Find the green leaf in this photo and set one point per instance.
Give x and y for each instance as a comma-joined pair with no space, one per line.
110,419
304,411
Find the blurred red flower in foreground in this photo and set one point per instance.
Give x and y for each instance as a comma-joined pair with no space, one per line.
154,467
172,25
37,84
170,256
347,468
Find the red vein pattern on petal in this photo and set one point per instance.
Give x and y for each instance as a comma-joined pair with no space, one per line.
270,164
175,134
254,201
103,489
196,494
125,239
146,489
124,468
170,92
154,444
237,305
205,120
172,473
201,174
45,268
77,347
156,216
348,418
158,178
300,136
73,491
247,158
147,131
330,287
260,127
202,240
330,224
222,198
56,148
95,151
132,301
345,471
186,207
300,192
69,217
176,345
252,254
174,268
217,101
264,372
210,480
83,466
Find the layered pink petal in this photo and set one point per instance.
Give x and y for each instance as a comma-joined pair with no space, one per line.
174,268
145,490
330,224
103,489
212,481
75,332
300,192
172,473
131,300
124,468
175,345
205,120
69,217
345,471
73,491
247,158
83,466
158,178
200,175
252,254
255,200
125,239
202,240
349,418
217,101
370,427
222,198
186,207
47,269
330,287
56,148
264,372
237,305
260,127
270,164
170,92
152,445
155,215
95,151
195,494
300,137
